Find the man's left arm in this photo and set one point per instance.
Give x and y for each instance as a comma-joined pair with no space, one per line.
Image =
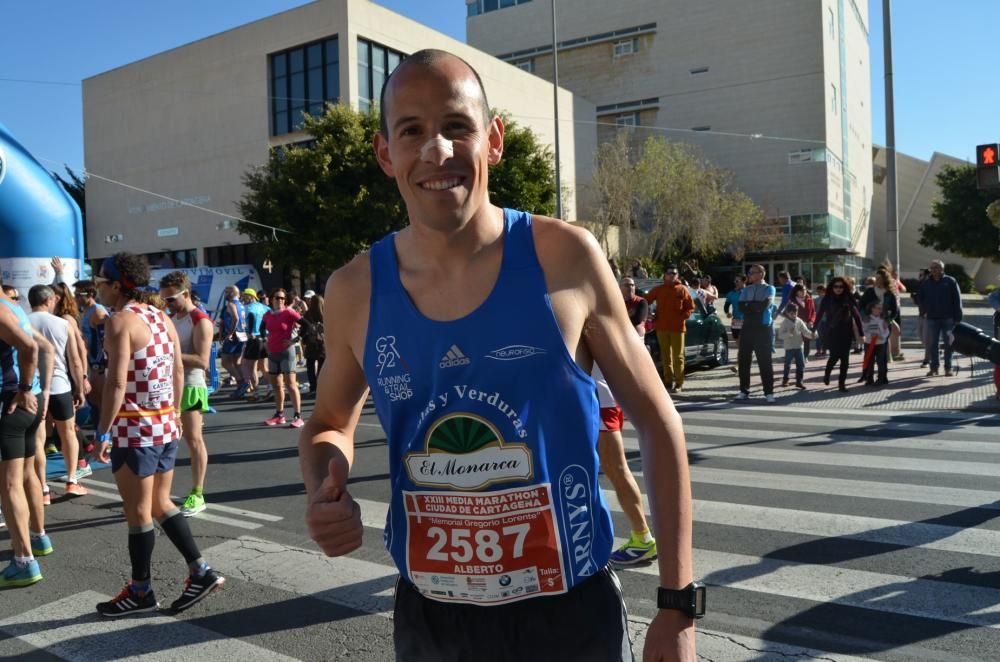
633,378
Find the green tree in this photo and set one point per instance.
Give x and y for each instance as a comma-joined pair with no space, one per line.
962,225
76,187
333,199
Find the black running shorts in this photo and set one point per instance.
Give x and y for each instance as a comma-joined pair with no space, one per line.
586,624
17,430
61,406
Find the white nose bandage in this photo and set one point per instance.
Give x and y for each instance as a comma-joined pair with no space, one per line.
437,148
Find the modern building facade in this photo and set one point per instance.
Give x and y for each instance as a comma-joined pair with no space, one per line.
916,191
186,124
777,91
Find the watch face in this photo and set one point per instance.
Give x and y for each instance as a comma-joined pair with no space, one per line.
699,601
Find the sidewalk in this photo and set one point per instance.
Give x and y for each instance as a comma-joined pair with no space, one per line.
971,389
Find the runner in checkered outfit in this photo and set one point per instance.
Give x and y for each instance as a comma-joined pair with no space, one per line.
140,424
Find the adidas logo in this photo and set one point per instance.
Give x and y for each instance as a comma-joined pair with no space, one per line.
454,358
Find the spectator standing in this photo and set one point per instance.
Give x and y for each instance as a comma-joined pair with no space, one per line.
884,292
820,325
673,306
806,312
785,284
757,336
706,284
922,275
843,328
637,307
281,323
731,307
234,335
793,332
255,352
877,334
313,339
639,271
942,302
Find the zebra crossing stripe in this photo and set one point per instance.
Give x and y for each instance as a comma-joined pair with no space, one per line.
68,628
743,418
240,512
926,598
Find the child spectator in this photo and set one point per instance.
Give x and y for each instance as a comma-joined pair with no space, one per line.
877,332
792,332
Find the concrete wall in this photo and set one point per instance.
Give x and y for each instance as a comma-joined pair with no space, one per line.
189,122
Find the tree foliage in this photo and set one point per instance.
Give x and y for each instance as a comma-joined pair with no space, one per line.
671,204
962,225
335,201
329,193
76,187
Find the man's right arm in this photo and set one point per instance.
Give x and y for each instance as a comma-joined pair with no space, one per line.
326,446
27,357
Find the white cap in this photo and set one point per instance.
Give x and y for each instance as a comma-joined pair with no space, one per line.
309,294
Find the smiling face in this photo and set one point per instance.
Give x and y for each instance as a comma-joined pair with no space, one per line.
437,148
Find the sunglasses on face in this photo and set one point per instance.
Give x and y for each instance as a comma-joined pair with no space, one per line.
175,297
277,298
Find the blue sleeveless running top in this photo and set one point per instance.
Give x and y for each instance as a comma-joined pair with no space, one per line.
258,309
241,319
94,338
492,431
8,355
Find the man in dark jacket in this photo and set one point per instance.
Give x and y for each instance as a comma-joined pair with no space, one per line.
941,301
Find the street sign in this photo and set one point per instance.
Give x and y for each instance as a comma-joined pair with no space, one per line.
988,166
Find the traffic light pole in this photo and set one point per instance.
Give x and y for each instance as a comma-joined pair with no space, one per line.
891,217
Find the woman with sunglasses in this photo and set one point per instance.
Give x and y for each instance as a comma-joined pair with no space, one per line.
281,323
843,328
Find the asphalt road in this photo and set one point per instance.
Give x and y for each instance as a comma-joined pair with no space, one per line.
822,533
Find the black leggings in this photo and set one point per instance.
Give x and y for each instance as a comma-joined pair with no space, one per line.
840,350
313,366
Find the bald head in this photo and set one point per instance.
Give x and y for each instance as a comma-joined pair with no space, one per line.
429,58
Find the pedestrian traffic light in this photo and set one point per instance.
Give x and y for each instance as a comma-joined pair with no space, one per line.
988,166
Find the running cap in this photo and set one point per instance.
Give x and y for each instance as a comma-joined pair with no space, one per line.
250,292
309,294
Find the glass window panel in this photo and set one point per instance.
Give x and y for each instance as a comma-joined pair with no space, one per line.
315,81
332,84
507,3
364,105
281,122
298,90
332,51
296,117
279,92
363,54
473,8
278,64
314,56
394,59
296,60
489,5
378,70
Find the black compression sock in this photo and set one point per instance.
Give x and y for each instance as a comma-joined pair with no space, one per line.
141,540
176,527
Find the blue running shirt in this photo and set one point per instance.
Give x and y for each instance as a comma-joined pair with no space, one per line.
492,430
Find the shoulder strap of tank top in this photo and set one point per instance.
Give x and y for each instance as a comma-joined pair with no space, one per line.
519,242
382,262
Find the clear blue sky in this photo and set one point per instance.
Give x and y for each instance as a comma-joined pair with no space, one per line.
947,93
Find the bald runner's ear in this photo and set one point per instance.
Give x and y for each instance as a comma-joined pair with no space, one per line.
381,146
496,131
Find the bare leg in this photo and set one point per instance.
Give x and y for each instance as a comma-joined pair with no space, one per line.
611,449
293,389
192,421
33,492
15,505
70,446
279,392
137,496
40,461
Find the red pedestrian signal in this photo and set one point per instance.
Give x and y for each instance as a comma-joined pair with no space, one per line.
987,166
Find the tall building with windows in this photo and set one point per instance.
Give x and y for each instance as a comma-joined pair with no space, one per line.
168,138
777,91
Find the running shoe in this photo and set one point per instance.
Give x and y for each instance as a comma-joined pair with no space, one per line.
277,419
770,398
240,391
41,546
742,396
84,469
128,602
15,575
193,504
634,551
46,496
196,588
297,422
75,489
50,449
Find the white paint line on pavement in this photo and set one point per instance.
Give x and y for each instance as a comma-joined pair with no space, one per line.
814,424
939,600
362,585
242,512
208,517
777,410
845,460
845,487
71,629
844,439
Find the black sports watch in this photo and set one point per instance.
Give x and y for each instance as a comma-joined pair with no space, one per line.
24,388
690,599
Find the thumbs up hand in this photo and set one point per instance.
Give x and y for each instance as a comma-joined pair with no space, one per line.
333,517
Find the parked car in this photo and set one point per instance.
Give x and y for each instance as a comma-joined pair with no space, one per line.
706,343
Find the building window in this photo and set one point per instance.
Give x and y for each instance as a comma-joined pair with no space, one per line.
526,65
699,70
626,47
476,7
833,98
627,119
303,79
375,63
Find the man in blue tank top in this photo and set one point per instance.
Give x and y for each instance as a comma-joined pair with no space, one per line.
475,329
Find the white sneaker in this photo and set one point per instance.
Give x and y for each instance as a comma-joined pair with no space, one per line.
769,397
742,396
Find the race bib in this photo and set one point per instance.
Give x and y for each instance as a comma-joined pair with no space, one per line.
483,548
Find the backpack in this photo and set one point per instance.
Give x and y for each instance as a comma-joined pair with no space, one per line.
312,338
